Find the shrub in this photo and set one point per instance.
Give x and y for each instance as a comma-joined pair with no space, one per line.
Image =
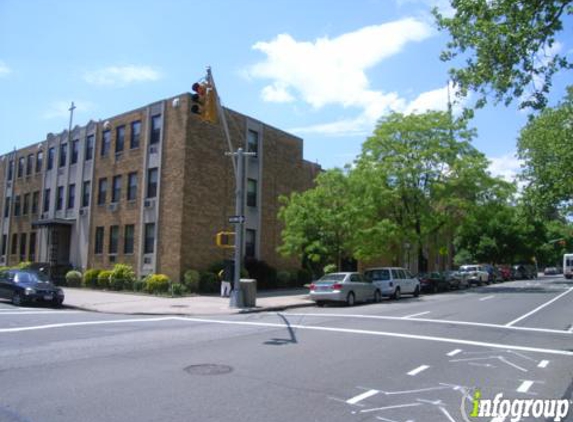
24,265
90,278
103,279
74,278
157,283
330,268
139,285
283,279
209,282
122,277
179,289
265,275
191,280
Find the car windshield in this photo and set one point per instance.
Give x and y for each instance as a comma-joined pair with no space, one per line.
331,278
25,277
467,269
377,275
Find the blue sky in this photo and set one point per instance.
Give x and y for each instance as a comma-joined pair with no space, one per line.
324,70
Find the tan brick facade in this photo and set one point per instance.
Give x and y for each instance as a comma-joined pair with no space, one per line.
191,202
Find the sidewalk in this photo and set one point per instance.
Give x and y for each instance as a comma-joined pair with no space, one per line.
140,304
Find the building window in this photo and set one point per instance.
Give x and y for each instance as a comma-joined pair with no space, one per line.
4,244
63,154
113,239
21,166
253,141
152,183
155,129
39,161
75,151
17,206
86,193
128,238
60,198
10,169
101,191
98,247
119,138
251,193
71,196
29,164
46,207
32,247
14,247
26,204
7,208
250,238
131,186
116,189
22,247
35,200
89,147
105,142
135,134
149,245
51,157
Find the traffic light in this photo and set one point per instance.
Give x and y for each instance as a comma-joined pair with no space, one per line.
225,240
204,102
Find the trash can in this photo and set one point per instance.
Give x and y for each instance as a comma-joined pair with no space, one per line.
249,292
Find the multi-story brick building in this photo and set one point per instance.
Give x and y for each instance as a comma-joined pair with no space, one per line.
150,188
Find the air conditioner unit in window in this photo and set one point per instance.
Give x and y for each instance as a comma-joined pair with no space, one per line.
113,207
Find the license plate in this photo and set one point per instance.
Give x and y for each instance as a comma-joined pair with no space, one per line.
48,297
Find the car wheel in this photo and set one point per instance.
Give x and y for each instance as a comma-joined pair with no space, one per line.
397,294
320,304
57,303
17,299
350,299
377,296
417,291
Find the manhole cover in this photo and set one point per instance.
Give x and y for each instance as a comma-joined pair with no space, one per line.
208,369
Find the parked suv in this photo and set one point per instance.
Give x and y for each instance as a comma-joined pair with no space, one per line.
393,281
475,274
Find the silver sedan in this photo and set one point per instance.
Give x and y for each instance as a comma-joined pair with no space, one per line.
344,287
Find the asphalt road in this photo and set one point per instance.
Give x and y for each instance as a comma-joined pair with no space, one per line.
418,359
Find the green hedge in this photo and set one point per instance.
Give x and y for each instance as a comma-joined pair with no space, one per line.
157,283
74,278
90,278
122,277
103,279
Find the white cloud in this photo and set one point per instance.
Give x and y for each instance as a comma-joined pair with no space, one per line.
436,99
61,109
507,166
121,75
4,69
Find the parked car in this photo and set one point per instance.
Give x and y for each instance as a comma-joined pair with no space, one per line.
433,282
504,272
550,271
347,287
523,272
393,281
25,286
455,280
474,274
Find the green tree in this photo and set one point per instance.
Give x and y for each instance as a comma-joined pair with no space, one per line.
421,174
318,222
505,48
545,146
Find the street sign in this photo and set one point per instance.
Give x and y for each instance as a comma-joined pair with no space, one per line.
236,219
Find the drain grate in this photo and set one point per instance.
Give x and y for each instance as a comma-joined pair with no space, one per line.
208,369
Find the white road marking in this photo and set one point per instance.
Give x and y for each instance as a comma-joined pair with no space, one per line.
435,321
498,419
416,315
543,364
486,298
398,406
300,327
362,396
525,386
416,371
445,412
454,352
515,321
38,312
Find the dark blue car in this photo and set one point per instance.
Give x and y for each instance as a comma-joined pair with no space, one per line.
23,287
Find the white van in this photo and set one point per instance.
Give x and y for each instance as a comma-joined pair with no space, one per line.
393,281
568,265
